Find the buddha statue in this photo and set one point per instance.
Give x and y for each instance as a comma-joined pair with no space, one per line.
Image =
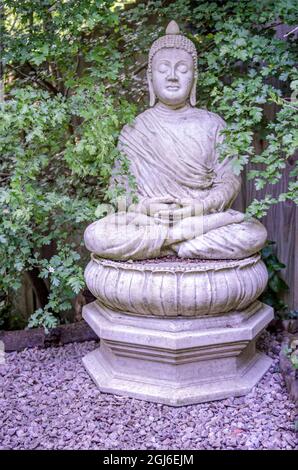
184,191
182,328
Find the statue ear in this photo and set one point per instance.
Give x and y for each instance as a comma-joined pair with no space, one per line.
152,96
193,93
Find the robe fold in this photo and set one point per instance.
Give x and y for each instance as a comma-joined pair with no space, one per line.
175,153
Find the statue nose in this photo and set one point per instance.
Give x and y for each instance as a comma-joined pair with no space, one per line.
172,75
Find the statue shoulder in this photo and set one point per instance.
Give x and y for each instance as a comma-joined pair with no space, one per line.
211,119
129,131
137,120
148,113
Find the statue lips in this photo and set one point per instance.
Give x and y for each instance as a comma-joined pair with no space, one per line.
173,87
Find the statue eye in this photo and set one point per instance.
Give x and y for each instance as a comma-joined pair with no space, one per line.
182,68
162,68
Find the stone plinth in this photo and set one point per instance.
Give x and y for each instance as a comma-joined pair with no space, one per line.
177,361
177,288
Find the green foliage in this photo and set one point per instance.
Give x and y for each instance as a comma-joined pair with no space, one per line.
288,315
244,72
291,352
54,187
293,315
73,73
276,285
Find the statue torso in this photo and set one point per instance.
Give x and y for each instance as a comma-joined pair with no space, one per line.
172,151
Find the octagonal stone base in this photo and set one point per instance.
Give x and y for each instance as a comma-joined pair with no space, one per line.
177,361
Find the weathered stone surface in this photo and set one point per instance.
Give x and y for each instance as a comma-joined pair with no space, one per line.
178,361
170,289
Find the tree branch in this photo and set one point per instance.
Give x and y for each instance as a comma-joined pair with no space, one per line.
291,32
140,68
270,26
39,286
35,79
49,85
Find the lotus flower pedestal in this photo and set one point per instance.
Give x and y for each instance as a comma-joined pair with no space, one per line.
177,332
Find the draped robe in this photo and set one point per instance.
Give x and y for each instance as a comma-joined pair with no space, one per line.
175,153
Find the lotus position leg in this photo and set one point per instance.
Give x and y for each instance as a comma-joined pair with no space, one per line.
124,236
233,241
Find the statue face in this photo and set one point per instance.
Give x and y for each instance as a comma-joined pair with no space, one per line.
172,76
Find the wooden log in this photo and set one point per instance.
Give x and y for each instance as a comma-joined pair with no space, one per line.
37,338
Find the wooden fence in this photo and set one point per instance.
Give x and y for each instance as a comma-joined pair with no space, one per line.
282,226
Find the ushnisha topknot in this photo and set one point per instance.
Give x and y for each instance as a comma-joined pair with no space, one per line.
173,38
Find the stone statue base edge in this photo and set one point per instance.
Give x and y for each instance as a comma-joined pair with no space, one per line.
177,361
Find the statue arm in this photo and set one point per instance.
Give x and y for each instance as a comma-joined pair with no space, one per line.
145,205
226,185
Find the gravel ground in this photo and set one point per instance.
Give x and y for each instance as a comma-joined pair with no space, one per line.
47,401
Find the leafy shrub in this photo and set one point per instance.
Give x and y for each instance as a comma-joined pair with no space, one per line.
292,352
73,72
55,186
276,285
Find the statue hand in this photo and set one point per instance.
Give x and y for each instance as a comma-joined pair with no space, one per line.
150,206
190,208
164,200
197,207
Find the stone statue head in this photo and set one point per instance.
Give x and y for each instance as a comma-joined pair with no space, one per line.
172,69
